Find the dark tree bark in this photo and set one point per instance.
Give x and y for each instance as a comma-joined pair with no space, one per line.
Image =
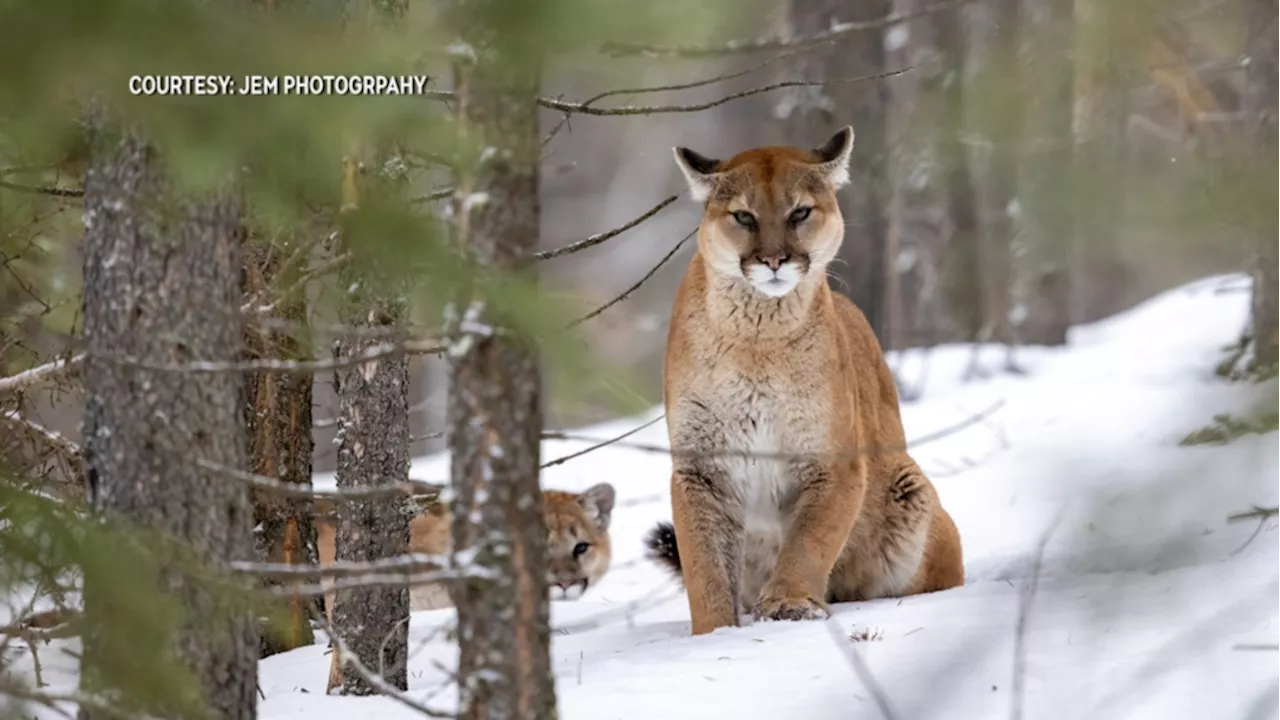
278,416
1261,109
373,450
1047,185
1099,276
935,202
863,263
1001,123
495,415
162,285
960,274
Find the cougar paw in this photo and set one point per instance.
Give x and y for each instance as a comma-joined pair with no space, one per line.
780,607
908,489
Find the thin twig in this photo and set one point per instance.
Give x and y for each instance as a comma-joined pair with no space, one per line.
604,443
401,565
1024,614
43,190
593,240
734,47
834,455
868,680
323,268
26,378
414,346
348,658
298,490
584,109
664,88
627,293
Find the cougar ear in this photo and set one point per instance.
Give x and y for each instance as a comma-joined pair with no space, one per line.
699,171
833,157
598,500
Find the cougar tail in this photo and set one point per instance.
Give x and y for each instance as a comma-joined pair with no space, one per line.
661,548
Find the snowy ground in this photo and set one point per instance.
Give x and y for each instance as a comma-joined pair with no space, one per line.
1149,603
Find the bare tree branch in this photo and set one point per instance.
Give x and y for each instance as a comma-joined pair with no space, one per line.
27,378
664,88
584,109
597,446
627,293
1024,613
411,489
593,240
402,565
735,47
323,268
413,346
43,190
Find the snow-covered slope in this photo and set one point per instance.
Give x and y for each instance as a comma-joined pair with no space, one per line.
1149,603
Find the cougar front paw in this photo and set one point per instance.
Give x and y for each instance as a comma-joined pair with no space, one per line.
909,490
779,606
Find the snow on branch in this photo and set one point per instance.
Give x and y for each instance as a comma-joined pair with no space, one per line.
26,378
736,47
309,492
43,190
403,565
412,346
593,240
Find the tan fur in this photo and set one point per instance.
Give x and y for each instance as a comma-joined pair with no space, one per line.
839,511
571,518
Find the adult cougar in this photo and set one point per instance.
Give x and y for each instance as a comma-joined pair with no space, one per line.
791,485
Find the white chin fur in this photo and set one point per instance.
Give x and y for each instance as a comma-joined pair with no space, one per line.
774,284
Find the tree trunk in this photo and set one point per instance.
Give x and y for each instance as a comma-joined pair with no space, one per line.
161,286
937,252
495,416
373,450
960,273
1047,170
863,263
1001,122
1261,109
1099,276
278,416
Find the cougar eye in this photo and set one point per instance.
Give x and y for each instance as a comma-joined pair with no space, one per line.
799,215
580,549
744,218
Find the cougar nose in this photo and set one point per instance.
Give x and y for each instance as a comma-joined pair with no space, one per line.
564,584
773,261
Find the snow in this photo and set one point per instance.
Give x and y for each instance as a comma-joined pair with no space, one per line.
1148,602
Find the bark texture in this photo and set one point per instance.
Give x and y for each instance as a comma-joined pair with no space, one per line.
495,415
1108,37
934,221
1049,148
1261,108
1002,124
278,417
373,450
161,284
863,263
